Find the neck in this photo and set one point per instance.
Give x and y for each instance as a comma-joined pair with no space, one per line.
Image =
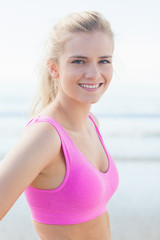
73,114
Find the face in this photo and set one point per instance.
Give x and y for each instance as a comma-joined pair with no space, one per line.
85,67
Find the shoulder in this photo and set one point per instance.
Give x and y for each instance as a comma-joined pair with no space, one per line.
42,135
95,119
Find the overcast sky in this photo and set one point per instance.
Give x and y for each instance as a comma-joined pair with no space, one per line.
136,24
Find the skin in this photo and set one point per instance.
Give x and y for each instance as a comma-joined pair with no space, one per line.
37,159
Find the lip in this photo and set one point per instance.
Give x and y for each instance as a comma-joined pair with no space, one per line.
90,84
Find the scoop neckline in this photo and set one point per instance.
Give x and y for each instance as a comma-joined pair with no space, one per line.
99,137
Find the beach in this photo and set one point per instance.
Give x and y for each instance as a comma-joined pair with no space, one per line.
129,120
128,112
134,209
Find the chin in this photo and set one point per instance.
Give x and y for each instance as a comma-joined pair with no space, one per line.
93,101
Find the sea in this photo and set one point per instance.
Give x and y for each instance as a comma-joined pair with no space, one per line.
128,113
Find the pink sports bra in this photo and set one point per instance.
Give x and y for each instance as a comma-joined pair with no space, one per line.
85,191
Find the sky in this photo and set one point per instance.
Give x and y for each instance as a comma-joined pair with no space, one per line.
24,25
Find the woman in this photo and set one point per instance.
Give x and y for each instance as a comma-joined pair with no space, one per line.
61,162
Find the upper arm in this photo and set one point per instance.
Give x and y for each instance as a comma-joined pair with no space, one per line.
37,147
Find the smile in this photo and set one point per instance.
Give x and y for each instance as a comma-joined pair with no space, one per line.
90,86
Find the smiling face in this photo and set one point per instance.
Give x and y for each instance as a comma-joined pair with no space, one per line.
85,67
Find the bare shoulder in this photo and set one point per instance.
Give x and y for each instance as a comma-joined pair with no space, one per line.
42,131
95,119
42,136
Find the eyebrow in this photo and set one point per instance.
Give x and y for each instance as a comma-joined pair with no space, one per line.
83,57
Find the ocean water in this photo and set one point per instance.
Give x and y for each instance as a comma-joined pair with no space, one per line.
129,116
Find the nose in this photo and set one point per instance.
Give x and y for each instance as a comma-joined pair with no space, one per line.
92,72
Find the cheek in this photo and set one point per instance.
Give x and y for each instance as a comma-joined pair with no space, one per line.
74,71
108,74
67,80
111,74
68,72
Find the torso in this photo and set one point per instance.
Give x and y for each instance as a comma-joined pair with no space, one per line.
53,175
96,229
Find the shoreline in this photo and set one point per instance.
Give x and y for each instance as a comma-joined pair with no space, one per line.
124,159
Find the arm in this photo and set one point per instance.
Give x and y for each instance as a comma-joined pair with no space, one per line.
38,146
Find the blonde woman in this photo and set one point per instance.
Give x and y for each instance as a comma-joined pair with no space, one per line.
61,162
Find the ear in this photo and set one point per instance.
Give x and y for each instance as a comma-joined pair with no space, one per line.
52,68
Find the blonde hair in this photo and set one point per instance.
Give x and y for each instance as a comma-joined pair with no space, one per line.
75,22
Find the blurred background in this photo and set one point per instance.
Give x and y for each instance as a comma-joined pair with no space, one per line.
129,112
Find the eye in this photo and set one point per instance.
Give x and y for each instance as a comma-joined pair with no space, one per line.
104,61
78,61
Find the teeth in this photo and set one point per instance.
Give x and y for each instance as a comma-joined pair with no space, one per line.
90,86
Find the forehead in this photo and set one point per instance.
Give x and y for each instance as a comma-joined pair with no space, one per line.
87,43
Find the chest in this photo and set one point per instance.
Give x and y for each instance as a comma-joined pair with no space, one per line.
92,149
88,146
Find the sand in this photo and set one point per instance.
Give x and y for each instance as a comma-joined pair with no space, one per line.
134,209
